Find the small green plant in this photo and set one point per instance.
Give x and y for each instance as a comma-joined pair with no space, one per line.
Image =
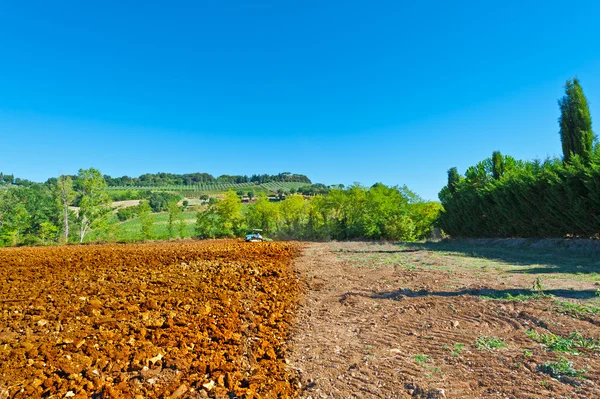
537,286
561,368
457,350
420,359
544,384
576,310
527,353
432,369
489,343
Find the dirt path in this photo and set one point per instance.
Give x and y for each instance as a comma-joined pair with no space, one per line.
381,321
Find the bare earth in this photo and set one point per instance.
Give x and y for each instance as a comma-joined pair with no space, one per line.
390,321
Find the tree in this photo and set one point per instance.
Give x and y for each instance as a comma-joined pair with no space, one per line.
575,123
65,195
251,194
181,225
291,211
497,165
146,219
94,206
174,215
230,210
453,179
264,214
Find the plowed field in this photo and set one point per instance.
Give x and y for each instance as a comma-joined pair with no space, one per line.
163,320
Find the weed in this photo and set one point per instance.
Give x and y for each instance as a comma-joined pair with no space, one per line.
420,359
537,286
544,384
457,350
516,298
527,353
433,369
561,368
409,267
576,310
489,343
569,344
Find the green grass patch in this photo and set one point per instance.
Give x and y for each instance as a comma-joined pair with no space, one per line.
516,298
489,343
576,310
420,359
131,230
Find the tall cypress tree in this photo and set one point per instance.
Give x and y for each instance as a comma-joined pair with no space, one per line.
453,179
497,165
575,123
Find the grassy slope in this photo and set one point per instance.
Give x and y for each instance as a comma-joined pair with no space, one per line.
131,229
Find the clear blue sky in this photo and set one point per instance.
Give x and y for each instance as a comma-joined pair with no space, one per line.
341,91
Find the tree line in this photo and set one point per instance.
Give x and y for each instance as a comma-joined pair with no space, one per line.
355,212
189,179
171,179
504,197
65,210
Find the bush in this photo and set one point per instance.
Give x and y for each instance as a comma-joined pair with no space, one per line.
159,202
124,214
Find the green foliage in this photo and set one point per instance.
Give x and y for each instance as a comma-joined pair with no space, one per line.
159,201
489,343
577,310
222,218
27,211
453,179
94,205
194,179
64,196
530,199
379,212
458,348
503,197
420,358
146,219
174,215
561,368
571,344
125,195
575,122
497,165
127,213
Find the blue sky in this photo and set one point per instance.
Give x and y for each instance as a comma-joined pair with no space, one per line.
342,91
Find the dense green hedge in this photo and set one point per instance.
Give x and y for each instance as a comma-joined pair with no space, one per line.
529,199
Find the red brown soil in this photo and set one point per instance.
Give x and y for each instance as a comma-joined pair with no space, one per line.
362,322
166,320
